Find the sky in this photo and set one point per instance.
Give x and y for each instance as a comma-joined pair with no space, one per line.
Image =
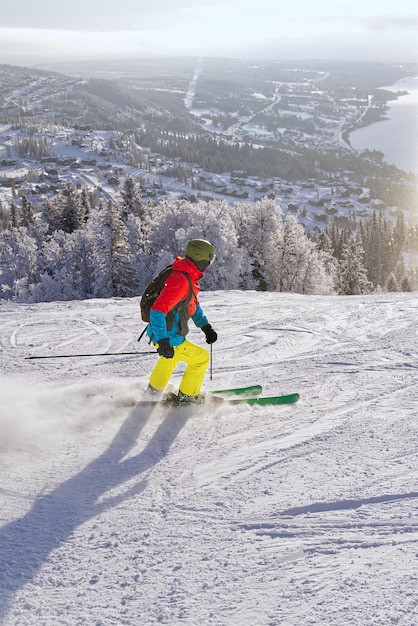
45,30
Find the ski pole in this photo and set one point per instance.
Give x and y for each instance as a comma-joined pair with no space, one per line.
143,333
211,362
68,356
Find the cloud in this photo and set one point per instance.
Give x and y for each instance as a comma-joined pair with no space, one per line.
378,23
141,15
99,15
392,23
78,29
29,46
94,15
350,46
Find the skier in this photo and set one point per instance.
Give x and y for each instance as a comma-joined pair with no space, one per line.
168,327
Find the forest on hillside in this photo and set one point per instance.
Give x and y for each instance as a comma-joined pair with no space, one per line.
75,247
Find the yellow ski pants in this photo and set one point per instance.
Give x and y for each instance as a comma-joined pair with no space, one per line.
197,361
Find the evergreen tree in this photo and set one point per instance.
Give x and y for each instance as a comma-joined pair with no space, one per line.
301,268
143,262
18,264
70,208
4,217
57,281
112,261
214,221
326,252
13,215
259,230
132,202
178,221
391,283
85,203
83,263
67,211
352,275
74,249
375,241
27,212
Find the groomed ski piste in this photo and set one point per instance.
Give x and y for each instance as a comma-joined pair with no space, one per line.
115,514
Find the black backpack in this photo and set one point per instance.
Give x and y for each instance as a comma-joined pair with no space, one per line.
153,290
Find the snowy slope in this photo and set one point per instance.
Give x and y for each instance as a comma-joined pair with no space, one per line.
115,514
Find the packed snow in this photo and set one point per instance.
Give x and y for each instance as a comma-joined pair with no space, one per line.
115,513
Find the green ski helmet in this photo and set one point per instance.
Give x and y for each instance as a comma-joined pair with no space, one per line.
201,252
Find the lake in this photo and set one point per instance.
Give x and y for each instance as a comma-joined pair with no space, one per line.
396,137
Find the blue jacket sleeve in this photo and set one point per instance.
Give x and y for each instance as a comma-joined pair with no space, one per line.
158,322
199,318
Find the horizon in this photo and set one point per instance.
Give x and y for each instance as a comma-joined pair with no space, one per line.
263,29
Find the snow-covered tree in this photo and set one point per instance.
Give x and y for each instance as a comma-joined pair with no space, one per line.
57,282
326,253
352,275
259,229
26,213
74,249
132,202
83,263
180,221
112,259
18,264
295,250
65,211
214,222
301,267
143,263
392,283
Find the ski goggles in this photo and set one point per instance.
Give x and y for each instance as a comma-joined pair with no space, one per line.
203,264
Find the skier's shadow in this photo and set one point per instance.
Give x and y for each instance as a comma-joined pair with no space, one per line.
26,542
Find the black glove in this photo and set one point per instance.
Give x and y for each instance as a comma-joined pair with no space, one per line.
210,334
164,349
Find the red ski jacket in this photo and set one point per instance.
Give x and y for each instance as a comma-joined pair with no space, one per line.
176,289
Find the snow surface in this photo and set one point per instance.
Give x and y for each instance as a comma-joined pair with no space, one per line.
115,514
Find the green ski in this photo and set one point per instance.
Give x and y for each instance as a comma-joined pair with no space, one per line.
239,395
243,392
265,400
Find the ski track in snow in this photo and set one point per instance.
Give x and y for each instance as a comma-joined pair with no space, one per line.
112,513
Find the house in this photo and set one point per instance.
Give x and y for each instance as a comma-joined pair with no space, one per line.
11,182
